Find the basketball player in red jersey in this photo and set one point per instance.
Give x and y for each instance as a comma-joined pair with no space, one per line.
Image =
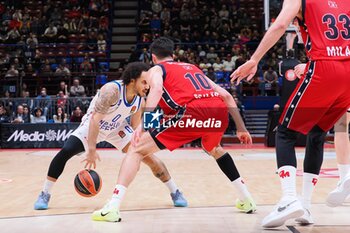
318,101
198,109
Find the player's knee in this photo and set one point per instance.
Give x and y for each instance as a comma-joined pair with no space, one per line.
316,135
217,152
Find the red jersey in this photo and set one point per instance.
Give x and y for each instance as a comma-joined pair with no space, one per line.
183,83
326,29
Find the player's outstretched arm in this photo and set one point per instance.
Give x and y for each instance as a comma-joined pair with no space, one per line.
290,9
242,132
107,96
155,81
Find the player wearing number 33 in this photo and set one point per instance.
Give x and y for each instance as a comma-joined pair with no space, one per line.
105,120
318,101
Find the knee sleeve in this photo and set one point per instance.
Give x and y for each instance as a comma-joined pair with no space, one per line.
72,147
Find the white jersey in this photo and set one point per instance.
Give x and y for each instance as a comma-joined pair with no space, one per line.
113,128
116,113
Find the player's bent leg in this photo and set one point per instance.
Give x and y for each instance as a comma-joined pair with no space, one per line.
244,202
72,147
130,166
161,172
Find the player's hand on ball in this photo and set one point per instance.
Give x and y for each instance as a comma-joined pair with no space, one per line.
244,137
248,70
90,160
299,70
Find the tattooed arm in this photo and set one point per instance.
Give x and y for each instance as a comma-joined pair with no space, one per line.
107,96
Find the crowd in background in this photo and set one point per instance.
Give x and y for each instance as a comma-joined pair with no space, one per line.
217,36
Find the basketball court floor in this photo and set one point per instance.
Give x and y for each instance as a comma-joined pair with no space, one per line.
147,206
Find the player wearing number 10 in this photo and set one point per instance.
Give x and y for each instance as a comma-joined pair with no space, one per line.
320,99
182,91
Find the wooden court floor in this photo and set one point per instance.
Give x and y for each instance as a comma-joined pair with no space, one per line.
147,206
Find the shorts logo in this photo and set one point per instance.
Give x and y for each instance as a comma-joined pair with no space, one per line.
151,120
121,134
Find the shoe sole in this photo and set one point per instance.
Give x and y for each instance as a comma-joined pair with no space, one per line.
40,208
303,221
279,222
336,199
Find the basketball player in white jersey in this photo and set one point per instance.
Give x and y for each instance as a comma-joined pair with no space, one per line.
105,120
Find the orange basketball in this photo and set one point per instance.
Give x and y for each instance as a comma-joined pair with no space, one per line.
87,183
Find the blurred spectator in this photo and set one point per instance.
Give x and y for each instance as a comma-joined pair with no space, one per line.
145,56
101,43
19,116
76,115
4,115
32,41
61,116
43,101
13,36
62,71
228,64
61,100
7,101
212,55
50,33
77,90
218,66
211,74
271,80
86,66
64,88
38,116
157,6
12,72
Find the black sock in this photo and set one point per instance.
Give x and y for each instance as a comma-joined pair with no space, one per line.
228,167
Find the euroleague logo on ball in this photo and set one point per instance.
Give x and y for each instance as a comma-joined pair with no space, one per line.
290,75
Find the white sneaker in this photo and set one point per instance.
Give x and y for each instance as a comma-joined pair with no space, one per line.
284,210
306,219
339,194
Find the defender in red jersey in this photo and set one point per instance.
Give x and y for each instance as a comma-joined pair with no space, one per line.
198,108
319,100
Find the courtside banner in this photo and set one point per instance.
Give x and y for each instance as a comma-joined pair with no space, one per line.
35,135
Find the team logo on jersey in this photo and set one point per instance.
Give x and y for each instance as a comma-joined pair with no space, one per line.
133,109
332,4
121,134
151,119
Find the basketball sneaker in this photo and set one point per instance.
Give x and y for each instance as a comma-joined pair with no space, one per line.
286,209
178,199
247,206
107,214
306,219
339,194
43,201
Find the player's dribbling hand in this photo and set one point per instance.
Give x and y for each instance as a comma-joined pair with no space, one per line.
244,137
90,160
136,136
248,70
299,70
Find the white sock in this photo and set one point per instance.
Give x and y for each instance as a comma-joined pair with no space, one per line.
118,195
309,183
344,169
171,186
48,186
241,188
287,176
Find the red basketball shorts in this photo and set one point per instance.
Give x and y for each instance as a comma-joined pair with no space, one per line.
321,97
205,118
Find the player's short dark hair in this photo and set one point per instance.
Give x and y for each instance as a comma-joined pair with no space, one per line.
133,71
162,47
